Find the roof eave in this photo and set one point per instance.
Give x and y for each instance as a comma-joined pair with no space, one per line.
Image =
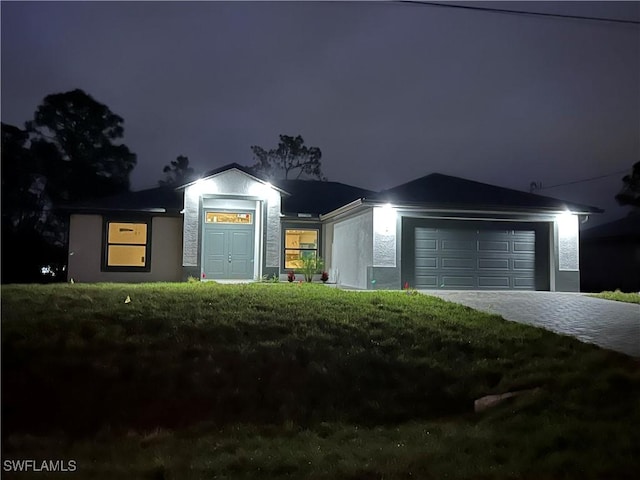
582,210
300,216
342,210
107,210
213,175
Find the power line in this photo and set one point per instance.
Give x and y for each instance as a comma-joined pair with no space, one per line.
581,181
520,12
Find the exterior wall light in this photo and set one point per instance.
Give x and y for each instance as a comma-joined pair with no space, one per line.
264,191
384,220
202,186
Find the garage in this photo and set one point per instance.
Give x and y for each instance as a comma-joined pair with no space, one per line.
476,255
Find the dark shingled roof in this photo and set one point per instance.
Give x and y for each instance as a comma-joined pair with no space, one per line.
316,197
628,227
143,200
443,191
304,196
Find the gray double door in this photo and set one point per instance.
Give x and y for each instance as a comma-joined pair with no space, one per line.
228,251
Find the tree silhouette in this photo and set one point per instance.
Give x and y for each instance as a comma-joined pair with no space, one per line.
630,192
31,235
290,156
69,152
85,133
177,172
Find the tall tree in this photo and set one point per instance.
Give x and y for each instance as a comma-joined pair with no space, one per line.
85,133
630,192
70,151
290,157
22,185
31,235
177,172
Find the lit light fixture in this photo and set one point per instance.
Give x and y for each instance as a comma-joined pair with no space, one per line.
265,191
567,221
384,219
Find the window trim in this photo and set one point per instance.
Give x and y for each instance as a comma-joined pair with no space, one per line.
316,227
106,220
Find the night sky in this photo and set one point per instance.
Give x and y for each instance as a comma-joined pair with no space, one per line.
388,91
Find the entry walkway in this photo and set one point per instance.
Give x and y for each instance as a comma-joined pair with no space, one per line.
609,324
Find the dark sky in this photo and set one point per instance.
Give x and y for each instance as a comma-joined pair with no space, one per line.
388,91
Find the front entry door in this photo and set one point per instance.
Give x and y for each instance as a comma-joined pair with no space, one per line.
228,248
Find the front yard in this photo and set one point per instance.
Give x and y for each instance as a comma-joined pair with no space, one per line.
302,381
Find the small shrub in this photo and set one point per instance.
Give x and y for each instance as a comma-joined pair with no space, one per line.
192,279
275,278
291,276
310,266
324,277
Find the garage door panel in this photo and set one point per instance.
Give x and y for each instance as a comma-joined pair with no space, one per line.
493,264
494,282
427,281
457,263
491,234
519,264
425,233
465,245
487,246
426,262
458,281
428,245
490,257
524,247
524,282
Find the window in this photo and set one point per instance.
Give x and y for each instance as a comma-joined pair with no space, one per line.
228,217
299,244
127,246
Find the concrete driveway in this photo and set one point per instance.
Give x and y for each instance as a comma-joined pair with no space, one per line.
609,324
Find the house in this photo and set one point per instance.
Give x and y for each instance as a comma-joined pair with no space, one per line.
434,232
610,256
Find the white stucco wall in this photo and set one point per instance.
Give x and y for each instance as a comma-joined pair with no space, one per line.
568,242
85,251
384,236
237,184
272,247
565,256
352,250
327,248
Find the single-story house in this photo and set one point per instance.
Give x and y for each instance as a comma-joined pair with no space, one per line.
610,256
435,232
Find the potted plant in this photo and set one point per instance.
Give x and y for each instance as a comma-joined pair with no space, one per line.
291,276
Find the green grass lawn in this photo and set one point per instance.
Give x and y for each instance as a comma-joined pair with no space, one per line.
302,381
619,296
